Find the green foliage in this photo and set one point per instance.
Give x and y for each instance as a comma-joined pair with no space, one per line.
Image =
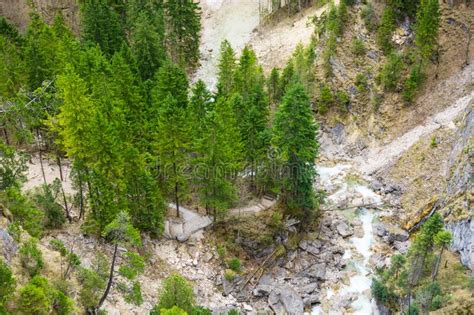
39,297
72,260
368,16
31,257
183,34
46,201
171,311
134,265
200,310
404,7
325,99
427,26
357,47
221,252
233,312
386,28
343,100
380,292
226,69
273,86
229,275
361,82
176,291
132,294
234,264
7,285
93,282
412,84
101,25
294,137
391,72
12,167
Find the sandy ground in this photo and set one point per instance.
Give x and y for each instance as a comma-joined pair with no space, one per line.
274,44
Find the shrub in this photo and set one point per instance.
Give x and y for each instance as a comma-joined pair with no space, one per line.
31,257
361,82
380,292
46,201
24,211
38,297
12,167
325,100
277,220
233,312
14,229
391,72
434,142
173,311
134,294
176,291
200,310
221,252
357,47
375,102
93,282
7,285
411,84
368,16
234,264
343,100
385,30
229,275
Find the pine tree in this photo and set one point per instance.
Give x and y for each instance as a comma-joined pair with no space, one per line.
172,139
39,52
183,31
273,86
385,30
147,46
226,68
442,239
427,25
294,138
219,159
101,25
121,233
200,103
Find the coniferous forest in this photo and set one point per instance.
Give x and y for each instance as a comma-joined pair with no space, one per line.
138,140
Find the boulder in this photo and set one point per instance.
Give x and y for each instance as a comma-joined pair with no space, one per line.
344,229
317,271
284,300
8,246
311,299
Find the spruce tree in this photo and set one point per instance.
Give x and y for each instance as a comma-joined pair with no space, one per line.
427,25
219,159
102,25
183,31
147,46
294,138
226,68
172,138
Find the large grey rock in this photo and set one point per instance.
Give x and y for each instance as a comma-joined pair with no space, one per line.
344,229
311,299
8,246
285,300
317,271
463,240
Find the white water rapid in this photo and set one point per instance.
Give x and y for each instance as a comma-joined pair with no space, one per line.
344,188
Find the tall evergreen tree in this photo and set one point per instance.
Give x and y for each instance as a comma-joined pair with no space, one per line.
183,30
102,25
294,137
147,46
219,159
427,25
172,139
226,68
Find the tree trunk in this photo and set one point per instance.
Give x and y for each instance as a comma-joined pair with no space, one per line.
81,199
68,215
40,154
438,262
58,160
109,283
176,189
